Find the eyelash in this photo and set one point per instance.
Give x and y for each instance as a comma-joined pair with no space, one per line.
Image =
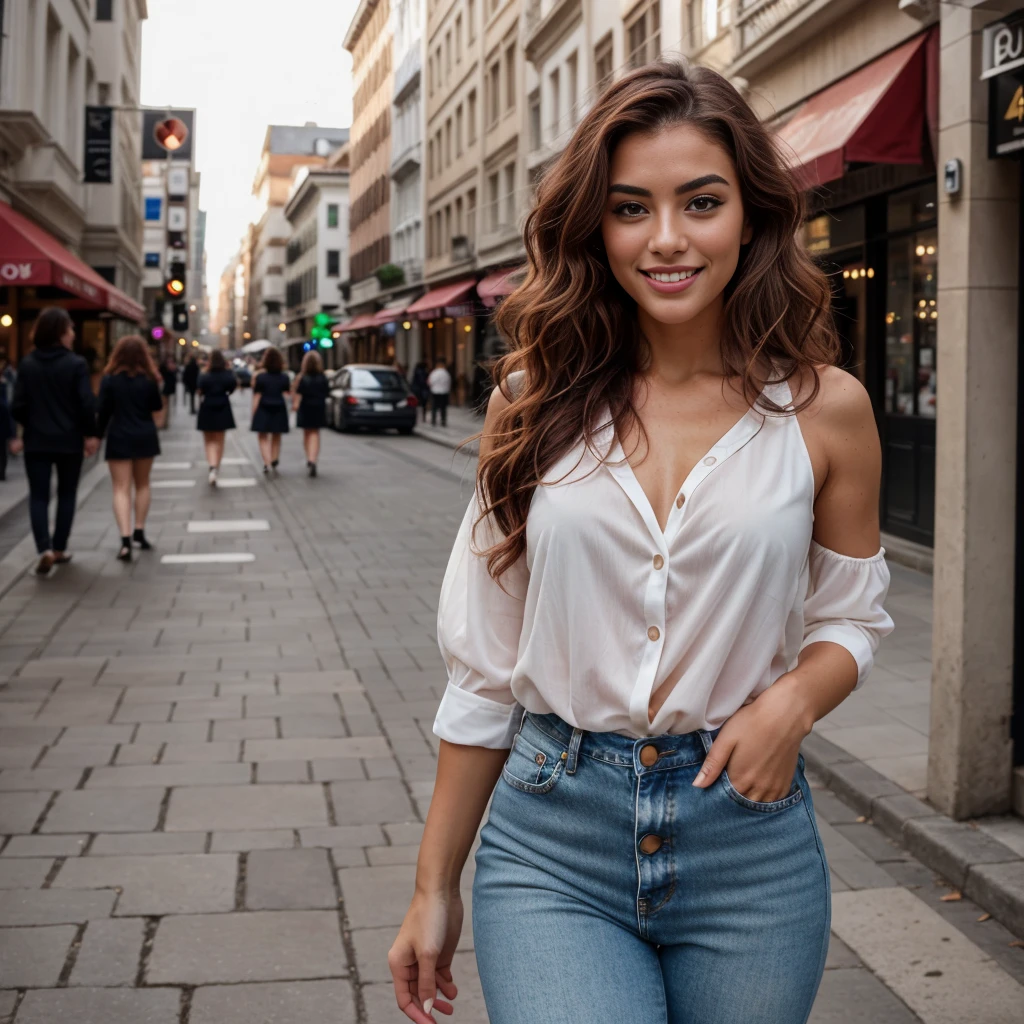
714,200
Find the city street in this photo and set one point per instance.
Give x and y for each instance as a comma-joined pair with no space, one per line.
215,764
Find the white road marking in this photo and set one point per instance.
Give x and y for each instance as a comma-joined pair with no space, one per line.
160,464
238,481
232,461
223,557
227,525
935,969
173,483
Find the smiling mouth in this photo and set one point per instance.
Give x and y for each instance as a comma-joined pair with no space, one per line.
671,278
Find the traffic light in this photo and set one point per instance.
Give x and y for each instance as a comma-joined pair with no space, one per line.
180,321
174,286
320,332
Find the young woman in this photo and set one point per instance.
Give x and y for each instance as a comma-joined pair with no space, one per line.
269,411
669,571
54,402
129,399
215,416
311,390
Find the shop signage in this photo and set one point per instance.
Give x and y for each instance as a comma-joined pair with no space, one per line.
16,273
1003,45
99,149
1003,67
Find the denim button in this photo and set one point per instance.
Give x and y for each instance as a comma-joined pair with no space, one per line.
648,755
650,844
540,759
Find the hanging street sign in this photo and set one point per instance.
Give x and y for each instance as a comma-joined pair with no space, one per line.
99,148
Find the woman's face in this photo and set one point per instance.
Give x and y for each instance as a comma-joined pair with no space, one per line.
67,339
673,222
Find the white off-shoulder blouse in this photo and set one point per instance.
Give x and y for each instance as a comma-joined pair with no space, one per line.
605,608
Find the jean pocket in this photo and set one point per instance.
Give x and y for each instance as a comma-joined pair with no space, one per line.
795,795
530,769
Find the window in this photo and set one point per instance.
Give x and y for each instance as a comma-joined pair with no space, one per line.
555,94
715,18
492,202
458,130
471,213
471,20
333,262
643,33
458,216
104,10
447,53
332,215
430,76
510,77
430,158
493,100
153,207
458,39
448,143
448,228
471,118
534,121
510,195
571,76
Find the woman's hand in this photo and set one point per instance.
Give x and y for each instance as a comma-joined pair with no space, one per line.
16,445
421,957
760,743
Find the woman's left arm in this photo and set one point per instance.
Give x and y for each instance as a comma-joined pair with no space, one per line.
843,615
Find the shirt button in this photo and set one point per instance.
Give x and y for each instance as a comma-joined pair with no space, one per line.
659,562
679,501
648,755
710,460
650,844
653,633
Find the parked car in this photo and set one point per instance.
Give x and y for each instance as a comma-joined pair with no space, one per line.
364,395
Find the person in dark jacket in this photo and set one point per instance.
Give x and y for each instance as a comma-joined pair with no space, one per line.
190,379
419,387
215,416
169,374
311,390
8,428
55,404
269,409
129,399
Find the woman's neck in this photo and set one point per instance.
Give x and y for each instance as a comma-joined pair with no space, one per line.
679,352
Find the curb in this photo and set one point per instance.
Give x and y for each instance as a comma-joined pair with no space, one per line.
982,868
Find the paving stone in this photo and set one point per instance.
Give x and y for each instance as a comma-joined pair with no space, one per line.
873,842
33,957
297,1002
318,682
147,842
100,1006
45,846
999,888
855,996
381,1008
381,768
253,839
19,811
99,810
282,771
159,712
378,855
201,753
39,779
855,868
98,734
840,955
27,735
404,834
138,753
159,883
341,835
378,800
245,729
312,749
258,945
310,726
53,906
371,946
24,872
377,896
891,813
172,732
8,1001
292,704
110,953
169,775
289,880
227,808
19,756
338,769
78,755
348,857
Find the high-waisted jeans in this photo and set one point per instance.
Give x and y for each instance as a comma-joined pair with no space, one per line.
610,889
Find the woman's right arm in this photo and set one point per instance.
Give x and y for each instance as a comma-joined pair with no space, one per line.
479,625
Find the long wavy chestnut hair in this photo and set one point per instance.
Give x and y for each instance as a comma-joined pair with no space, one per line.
131,355
573,329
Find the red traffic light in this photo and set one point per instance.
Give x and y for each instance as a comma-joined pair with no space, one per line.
171,133
175,287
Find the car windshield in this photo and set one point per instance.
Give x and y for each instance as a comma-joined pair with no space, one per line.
376,380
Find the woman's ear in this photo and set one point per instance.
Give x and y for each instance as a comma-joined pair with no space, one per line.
748,232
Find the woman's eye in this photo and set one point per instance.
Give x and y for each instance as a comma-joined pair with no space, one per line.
703,204
629,209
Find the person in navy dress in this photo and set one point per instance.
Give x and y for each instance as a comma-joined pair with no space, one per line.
311,390
215,416
269,407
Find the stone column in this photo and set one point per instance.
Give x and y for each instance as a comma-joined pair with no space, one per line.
969,758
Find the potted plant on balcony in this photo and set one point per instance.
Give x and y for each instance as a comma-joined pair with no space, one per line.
389,275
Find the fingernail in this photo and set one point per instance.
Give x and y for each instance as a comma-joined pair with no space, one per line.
700,777
428,1005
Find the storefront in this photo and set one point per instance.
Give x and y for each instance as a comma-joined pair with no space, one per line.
448,325
864,149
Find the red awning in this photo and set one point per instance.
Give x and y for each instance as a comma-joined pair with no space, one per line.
497,285
357,323
875,115
435,300
389,313
31,256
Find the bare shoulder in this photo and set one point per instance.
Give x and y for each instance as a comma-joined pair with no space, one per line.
496,405
842,402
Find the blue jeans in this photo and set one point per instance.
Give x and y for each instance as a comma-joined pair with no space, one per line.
39,468
609,889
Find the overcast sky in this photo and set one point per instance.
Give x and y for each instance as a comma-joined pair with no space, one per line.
244,64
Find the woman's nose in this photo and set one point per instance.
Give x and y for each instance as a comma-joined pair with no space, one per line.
669,236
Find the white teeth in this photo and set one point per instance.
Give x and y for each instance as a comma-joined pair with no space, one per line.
673,277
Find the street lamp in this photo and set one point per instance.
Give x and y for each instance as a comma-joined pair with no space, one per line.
282,327
6,320
192,308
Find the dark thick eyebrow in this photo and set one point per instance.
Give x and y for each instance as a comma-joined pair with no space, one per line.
689,186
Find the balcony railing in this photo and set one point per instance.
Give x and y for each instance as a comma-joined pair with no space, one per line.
755,19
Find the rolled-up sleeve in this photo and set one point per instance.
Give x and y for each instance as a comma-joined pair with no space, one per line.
479,624
845,604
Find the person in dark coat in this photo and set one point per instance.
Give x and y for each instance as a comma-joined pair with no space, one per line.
54,403
169,375
419,388
8,428
215,416
269,409
311,391
129,399
190,379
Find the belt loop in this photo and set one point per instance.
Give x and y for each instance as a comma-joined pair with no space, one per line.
574,751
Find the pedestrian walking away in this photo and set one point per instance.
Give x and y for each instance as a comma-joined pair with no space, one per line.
311,390
54,403
269,410
129,400
215,416
439,384
9,439
169,374
190,380
418,386
680,427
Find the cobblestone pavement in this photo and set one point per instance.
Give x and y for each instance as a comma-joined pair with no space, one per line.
213,775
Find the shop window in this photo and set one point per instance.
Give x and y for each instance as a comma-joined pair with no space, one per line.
643,33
